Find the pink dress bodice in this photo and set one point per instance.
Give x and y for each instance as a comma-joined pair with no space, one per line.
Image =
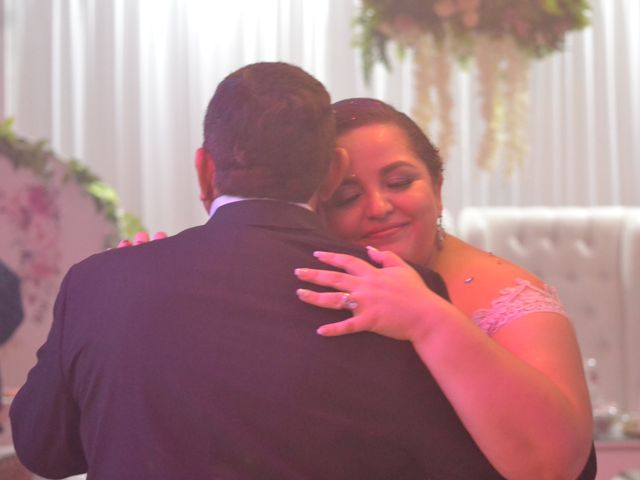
515,302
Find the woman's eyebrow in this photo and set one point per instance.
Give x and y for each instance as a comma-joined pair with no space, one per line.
398,164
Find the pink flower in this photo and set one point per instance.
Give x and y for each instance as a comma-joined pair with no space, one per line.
512,19
19,216
40,267
561,27
468,5
405,29
40,201
522,28
470,19
445,8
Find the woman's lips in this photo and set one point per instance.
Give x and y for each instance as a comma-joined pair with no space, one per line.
384,233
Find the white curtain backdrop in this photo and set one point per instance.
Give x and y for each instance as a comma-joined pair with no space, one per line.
122,86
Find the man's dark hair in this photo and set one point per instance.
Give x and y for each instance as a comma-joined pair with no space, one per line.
271,132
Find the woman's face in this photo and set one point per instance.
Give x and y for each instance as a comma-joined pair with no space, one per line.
387,199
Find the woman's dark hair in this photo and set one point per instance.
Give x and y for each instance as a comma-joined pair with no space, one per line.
358,112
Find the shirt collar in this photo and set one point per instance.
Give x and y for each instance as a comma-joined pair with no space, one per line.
225,199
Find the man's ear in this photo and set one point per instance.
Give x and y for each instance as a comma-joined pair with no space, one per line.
335,174
206,169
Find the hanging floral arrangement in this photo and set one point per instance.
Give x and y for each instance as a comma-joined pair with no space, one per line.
497,37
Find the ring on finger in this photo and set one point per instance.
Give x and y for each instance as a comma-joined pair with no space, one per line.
348,302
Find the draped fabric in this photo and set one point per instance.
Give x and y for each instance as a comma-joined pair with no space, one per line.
122,86
584,133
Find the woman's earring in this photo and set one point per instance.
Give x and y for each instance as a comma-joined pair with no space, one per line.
440,233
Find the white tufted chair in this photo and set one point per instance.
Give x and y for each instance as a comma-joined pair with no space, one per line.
592,257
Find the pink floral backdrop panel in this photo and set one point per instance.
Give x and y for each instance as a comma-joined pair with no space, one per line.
46,225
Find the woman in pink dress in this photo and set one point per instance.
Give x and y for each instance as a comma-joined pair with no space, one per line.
503,351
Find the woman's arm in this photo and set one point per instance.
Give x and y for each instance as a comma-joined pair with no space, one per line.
521,394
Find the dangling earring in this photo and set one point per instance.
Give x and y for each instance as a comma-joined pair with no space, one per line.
440,233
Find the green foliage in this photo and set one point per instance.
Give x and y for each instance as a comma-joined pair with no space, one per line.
22,153
537,27
38,158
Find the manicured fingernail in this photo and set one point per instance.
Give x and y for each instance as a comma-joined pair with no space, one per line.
369,247
302,293
319,253
141,237
321,330
299,271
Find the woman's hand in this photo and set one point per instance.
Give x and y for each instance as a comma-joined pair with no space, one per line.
392,301
140,238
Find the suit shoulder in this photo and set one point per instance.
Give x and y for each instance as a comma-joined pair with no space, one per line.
434,281
136,260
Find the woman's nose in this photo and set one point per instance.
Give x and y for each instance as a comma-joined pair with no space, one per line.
378,205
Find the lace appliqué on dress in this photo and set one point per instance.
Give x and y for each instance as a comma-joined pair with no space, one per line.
515,302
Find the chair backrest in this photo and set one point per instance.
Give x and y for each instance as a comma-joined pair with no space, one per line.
592,257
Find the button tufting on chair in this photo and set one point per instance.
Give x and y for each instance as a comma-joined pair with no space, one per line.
588,254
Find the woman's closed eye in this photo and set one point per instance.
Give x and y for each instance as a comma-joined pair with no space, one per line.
400,183
345,196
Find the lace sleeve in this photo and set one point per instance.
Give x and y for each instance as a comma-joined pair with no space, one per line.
515,302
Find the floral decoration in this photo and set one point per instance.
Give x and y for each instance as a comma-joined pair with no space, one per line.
537,27
34,217
33,213
498,36
37,157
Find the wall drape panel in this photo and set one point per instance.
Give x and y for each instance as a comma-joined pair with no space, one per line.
122,86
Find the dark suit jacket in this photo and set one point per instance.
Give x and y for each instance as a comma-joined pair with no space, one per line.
192,358
11,312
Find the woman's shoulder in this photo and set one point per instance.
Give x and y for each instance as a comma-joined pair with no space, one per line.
476,278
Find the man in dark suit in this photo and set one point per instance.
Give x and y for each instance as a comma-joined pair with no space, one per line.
192,358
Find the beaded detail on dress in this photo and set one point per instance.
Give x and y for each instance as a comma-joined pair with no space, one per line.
515,302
